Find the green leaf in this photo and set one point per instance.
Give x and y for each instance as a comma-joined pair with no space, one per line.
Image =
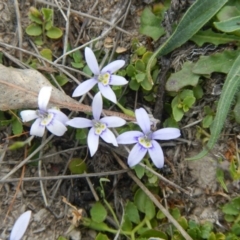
61,79
230,88
139,170
131,70
198,92
81,134
220,179
77,166
207,121
36,19
46,53
34,30
77,65
98,212
178,113
77,56
38,40
17,127
184,77
145,58
144,204
236,229
215,38
101,236
146,85
200,12
229,25
140,66
134,85
140,77
152,234
218,62
151,25
131,212
127,224
189,101
48,25
236,109
175,212
206,229
47,14
227,12
233,207
183,222
54,33
61,238
141,50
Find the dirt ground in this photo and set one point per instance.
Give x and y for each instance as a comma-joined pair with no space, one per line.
205,194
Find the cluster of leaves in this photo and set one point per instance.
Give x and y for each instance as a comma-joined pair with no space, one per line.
42,25
136,70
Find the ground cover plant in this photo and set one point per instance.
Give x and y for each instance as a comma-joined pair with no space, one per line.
121,131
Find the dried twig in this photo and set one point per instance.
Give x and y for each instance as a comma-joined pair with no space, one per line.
153,198
84,175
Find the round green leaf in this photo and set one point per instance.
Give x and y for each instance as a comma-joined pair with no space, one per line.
34,30
144,204
98,212
54,33
140,77
132,212
101,236
140,66
177,113
47,14
46,53
134,85
77,166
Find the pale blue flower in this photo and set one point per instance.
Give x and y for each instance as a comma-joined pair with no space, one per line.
52,119
145,140
103,77
20,226
99,127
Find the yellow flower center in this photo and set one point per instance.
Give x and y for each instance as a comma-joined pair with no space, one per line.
47,119
145,142
99,128
104,78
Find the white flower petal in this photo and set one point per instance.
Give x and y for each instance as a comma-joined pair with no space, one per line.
84,87
156,154
91,61
79,122
20,226
60,116
93,141
136,155
107,92
109,137
166,134
43,97
113,66
28,115
129,137
117,80
97,105
113,121
143,120
56,127
37,129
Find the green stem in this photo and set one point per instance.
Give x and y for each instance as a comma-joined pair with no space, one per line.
112,212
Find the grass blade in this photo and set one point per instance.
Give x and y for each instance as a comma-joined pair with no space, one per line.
193,20
230,88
